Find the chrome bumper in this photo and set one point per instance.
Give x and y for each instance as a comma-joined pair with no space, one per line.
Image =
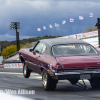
77,72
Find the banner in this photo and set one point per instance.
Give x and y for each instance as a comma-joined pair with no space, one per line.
63,22
91,14
81,18
71,20
83,35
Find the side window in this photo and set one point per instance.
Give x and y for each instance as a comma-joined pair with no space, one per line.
40,48
43,49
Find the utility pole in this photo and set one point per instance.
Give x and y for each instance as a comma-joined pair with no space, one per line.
0,50
16,25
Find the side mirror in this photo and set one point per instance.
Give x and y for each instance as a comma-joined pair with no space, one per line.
34,53
30,50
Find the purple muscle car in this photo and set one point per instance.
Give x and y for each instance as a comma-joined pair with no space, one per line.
62,59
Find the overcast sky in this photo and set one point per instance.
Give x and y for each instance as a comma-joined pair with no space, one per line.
35,14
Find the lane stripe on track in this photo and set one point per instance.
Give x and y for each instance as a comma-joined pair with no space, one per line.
10,73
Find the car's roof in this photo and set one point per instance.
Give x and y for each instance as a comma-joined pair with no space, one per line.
56,41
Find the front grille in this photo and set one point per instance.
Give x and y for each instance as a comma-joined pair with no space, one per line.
81,69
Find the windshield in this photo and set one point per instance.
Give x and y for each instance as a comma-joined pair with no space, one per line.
73,49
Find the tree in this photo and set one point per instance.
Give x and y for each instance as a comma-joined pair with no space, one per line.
27,45
91,29
9,50
21,46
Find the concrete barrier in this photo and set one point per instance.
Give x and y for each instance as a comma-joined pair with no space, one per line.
1,65
11,65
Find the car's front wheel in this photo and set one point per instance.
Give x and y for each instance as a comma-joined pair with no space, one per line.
26,71
48,83
95,82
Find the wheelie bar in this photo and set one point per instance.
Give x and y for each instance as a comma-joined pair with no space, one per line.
82,85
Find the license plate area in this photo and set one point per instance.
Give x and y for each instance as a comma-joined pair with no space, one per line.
85,76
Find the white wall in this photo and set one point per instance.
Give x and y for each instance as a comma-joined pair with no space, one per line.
1,59
92,41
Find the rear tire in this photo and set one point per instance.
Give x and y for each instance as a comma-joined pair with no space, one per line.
48,83
26,71
95,83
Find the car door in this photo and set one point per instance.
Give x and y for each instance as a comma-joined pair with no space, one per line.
38,50
40,58
32,63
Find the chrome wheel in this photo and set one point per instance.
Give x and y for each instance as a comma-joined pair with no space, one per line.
44,79
47,82
25,69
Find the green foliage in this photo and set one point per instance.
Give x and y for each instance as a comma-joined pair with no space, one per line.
9,50
27,45
91,29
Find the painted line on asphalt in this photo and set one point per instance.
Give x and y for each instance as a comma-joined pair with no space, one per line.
36,78
18,73
10,73
31,77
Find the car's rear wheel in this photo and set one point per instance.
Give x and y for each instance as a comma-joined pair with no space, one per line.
26,71
95,82
48,83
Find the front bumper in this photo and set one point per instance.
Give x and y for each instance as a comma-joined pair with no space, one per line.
76,74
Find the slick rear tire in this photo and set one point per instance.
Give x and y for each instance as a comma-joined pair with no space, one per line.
95,83
26,71
48,83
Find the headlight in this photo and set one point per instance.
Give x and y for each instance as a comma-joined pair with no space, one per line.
60,68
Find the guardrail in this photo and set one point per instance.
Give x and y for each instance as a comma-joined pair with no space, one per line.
1,65
10,55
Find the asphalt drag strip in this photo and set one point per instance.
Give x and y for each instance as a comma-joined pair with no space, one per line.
33,76
64,90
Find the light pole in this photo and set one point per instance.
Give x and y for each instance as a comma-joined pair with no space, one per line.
16,25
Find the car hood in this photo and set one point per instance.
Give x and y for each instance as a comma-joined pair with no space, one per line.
79,61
